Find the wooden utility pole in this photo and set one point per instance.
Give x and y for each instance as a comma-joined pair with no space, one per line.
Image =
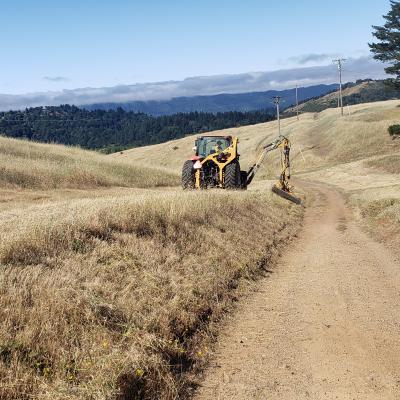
297,102
277,100
339,63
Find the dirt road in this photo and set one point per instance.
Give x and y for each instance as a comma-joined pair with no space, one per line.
326,325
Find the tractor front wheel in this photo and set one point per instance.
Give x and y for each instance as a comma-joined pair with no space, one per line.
232,176
188,175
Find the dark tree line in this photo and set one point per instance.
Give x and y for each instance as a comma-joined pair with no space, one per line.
114,130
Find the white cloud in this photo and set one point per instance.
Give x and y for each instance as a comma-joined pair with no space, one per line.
55,78
311,58
359,68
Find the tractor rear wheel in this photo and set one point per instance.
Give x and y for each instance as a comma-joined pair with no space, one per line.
232,175
188,175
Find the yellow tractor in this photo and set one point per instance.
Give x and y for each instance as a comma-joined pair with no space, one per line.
216,165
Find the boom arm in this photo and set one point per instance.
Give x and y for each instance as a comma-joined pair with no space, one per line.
283,143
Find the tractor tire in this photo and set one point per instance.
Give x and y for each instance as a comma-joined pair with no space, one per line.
188,175
243,180
232,175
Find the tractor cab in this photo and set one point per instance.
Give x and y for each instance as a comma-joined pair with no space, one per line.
207,145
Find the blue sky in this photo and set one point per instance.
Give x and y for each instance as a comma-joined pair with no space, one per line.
54,45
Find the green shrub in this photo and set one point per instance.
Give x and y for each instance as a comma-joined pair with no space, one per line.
394,130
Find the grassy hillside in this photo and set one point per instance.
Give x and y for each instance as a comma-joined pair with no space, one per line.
363,92
116,298
31,165
171,155
318,140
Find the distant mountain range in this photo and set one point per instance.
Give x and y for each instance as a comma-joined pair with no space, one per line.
218,103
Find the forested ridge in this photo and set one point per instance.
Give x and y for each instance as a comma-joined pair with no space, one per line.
223,102
114,130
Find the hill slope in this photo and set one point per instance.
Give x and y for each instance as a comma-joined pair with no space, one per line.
32,165
324,138
359,93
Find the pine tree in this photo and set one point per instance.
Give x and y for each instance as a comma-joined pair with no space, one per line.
388,48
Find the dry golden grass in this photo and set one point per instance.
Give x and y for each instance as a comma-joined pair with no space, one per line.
384,209
26,164
171,155
390,164
360,135
382,218
113,298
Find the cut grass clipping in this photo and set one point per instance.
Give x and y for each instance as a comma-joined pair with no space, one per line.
103,299
55,166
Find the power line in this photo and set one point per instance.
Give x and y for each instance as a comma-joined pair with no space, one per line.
339,62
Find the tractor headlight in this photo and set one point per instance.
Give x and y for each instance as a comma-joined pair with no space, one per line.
197,165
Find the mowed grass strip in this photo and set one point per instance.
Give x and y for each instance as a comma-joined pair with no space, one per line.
116,298
30,165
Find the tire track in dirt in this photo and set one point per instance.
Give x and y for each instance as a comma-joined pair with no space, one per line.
325,325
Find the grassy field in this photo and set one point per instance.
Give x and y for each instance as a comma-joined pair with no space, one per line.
40,166
107,298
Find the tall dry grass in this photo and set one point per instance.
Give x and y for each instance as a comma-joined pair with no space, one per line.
384,210
25,164
390,164
381,218
115,298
